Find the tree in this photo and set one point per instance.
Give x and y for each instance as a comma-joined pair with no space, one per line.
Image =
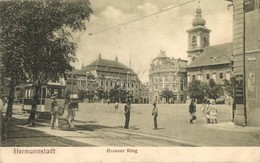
42,32
215,90
198,90
118,94
166,93
229,87
12,59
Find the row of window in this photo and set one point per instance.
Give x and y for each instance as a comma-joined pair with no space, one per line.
108,83
221,76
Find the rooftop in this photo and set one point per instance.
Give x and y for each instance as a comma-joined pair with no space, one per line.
214,55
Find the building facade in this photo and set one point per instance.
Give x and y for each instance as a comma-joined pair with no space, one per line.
205,61
246,38
168,74
104,75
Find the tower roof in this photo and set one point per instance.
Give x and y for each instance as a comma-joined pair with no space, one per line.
198,20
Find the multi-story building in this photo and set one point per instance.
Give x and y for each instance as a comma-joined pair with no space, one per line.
205,61
214,62
168,73
104,74
246,38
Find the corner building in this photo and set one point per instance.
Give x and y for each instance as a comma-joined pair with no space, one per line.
168,73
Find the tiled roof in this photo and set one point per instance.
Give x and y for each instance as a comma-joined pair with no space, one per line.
104,66
108,63
214,55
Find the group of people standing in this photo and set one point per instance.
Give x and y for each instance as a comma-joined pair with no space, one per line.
55,112
127,113
209,111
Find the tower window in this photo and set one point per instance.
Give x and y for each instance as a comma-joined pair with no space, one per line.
221,75
205,41
194,40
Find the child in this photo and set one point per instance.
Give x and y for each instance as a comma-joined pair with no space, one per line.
213,112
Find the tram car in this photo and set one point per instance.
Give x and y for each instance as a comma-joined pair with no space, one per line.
44,101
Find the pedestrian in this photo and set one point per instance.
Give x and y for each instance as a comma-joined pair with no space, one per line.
108,101
205,110
208,112
54,111
192,110
2,127
116,105
213,112
127,114
71,114
155,115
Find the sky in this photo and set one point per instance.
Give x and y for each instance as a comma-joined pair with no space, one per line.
142,40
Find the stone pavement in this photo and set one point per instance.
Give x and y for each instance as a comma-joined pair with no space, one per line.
102,131
21,135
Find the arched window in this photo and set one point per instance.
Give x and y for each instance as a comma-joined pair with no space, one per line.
205,41
194,41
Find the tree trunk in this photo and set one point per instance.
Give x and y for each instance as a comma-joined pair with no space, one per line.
31,119
9,110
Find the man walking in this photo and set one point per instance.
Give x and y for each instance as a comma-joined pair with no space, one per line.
71,114
127,114
155,114
54,111
192,110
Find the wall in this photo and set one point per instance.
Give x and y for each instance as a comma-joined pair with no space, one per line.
253,67
210,70
253,88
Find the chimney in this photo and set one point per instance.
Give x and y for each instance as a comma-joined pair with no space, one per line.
116,59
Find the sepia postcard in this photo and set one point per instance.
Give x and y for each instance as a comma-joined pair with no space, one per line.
130,81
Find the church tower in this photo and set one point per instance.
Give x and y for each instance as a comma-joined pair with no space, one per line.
198,36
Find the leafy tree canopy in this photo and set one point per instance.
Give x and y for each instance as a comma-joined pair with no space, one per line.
35,33
197,90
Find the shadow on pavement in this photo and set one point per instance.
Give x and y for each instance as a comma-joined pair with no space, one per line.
90,127
79,121
28,137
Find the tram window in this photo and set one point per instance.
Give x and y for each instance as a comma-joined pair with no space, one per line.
43,93
49,93
59,93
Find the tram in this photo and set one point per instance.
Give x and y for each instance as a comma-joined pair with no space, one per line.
44,101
